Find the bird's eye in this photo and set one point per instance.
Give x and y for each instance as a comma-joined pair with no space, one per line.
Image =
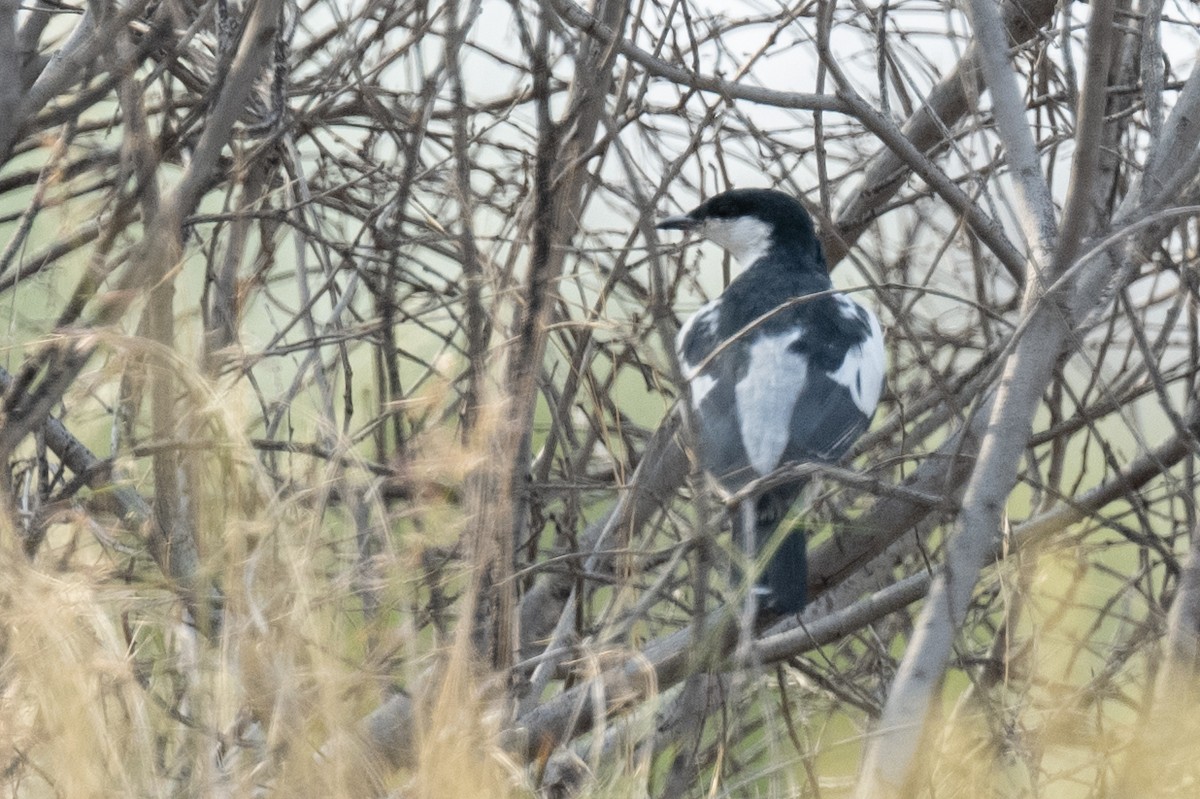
723,209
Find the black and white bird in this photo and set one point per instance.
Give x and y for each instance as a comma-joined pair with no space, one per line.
775,376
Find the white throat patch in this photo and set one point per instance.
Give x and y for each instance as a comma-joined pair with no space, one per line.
745,237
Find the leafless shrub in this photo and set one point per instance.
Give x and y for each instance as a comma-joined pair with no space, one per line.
338,403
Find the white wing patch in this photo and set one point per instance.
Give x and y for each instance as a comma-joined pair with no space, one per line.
702,323
767,395
862,369
701,385
848,307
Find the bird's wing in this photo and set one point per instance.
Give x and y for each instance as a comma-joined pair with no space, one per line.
839,399
709,364
824,422
862,369
695,343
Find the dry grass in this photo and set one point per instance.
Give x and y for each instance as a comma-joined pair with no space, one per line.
364,322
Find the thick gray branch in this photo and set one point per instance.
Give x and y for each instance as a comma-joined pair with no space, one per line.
891,758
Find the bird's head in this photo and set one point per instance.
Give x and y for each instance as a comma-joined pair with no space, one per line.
750,222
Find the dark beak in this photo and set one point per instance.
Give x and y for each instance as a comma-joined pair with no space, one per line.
682,222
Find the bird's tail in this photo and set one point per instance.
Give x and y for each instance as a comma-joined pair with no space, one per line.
784,581
782,586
